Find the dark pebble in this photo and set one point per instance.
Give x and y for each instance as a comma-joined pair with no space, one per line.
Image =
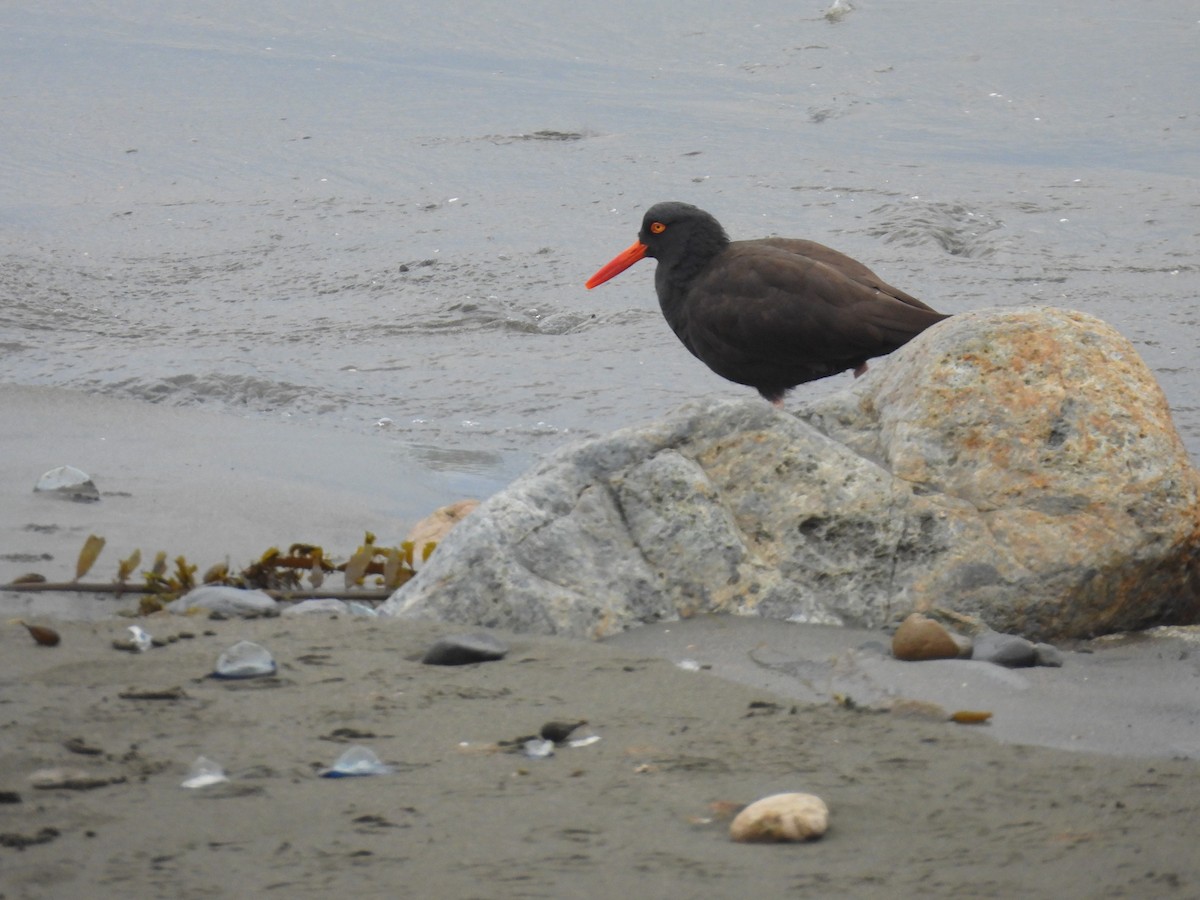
462,649
79,745
21,841
1004,650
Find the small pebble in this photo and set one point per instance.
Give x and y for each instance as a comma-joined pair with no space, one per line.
47,637
781,817
920,638
1048,655
140,639
538,748
1009,650
69,483
82,747
462,649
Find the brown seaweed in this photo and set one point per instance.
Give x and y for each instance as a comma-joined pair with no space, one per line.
372,572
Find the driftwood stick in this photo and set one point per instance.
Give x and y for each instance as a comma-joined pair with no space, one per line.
80,587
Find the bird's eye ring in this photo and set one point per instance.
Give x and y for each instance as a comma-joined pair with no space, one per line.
657,227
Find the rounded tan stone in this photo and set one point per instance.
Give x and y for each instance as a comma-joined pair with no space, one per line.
434,527
781,817
920,638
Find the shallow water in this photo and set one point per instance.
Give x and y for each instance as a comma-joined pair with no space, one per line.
379,218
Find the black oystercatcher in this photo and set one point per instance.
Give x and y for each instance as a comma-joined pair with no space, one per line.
771,313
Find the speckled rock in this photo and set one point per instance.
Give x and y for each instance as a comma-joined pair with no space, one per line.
1055,436
1018,466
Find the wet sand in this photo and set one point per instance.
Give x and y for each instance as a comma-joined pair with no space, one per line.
207,486
1131,694
918,807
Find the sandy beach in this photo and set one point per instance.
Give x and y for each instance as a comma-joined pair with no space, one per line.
918,807
206,486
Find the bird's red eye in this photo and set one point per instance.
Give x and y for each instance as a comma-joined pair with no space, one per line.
657,227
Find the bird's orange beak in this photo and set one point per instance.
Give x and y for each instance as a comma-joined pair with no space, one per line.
618,264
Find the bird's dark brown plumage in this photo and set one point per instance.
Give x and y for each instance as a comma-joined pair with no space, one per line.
770,313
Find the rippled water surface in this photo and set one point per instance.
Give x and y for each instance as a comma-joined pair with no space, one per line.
379,216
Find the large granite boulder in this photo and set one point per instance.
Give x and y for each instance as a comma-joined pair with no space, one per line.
1016,465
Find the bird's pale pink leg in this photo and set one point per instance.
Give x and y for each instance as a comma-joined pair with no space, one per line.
777,403
860,371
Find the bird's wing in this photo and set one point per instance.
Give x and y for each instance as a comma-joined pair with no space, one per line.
788,306
846,265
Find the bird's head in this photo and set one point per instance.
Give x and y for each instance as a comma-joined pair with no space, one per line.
671,232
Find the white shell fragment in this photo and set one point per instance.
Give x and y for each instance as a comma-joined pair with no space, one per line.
69,483
781,817
139,639
203,773
536,748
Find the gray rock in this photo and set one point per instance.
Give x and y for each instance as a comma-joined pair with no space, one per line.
325,606
69,483
461,649
1016,466
328,606
1007,650
1048,655
227,601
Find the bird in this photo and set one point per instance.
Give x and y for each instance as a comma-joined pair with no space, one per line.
771,313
